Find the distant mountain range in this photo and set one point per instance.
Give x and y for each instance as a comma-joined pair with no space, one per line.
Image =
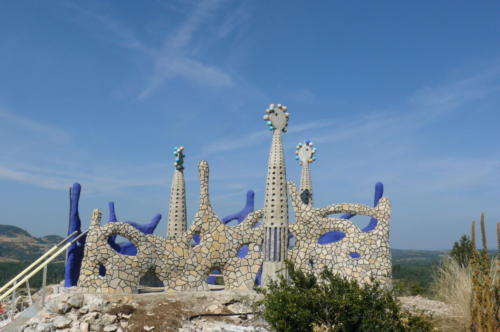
17,245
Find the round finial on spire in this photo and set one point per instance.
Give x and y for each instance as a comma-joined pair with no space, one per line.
179,158
276,117
305,152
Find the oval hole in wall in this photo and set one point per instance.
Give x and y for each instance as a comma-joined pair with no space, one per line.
243,251
122,245
330,237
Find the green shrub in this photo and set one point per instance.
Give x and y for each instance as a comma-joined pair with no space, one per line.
462,251
304,302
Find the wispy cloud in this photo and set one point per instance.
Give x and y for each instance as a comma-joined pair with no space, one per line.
13,121
455,174
423,107
175,58
253,139
99,181
452,96
26,142
122,35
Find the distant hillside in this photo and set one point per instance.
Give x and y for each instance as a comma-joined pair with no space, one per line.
17,245
417,257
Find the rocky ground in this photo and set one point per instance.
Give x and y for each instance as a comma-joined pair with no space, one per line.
426,306
200,311
196,311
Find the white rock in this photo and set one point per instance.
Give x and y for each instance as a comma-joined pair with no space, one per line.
76,301
45,327
110,328
84,327
63,307
108,319
62,322
83,310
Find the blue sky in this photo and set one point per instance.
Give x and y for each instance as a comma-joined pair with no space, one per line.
406,93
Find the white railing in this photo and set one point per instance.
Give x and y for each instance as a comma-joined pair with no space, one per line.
36,266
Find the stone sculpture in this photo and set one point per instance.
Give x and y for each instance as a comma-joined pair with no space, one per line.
177,220
75,252
305,155
183,263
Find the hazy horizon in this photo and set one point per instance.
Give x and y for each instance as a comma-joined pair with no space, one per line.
402,93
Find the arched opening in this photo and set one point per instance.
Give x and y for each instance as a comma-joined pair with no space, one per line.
216,279
365,223
291,241
258,277
232,222
330,237
196,239
102,270
122,245
150,280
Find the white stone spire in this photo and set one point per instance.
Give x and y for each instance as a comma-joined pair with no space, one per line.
276,198
177,221
305,155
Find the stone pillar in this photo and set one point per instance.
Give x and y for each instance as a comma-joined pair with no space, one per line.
305,155
177,220
276,198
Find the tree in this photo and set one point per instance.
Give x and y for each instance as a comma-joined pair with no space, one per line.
333,303
462,251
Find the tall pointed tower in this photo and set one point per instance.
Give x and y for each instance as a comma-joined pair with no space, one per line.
276,198
177,221
305,155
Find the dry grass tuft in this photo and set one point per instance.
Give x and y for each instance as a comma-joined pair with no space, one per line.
453,285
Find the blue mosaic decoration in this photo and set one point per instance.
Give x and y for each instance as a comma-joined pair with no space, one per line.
75,251
299,147
179,158
354,255
127,248
276,117
337,236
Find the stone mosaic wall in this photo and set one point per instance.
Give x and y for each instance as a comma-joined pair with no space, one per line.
178,265
182,264
357,254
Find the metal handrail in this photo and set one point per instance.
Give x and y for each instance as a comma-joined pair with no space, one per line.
26,270
41,266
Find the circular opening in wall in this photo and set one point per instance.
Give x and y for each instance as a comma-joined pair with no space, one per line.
330,237
122,245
